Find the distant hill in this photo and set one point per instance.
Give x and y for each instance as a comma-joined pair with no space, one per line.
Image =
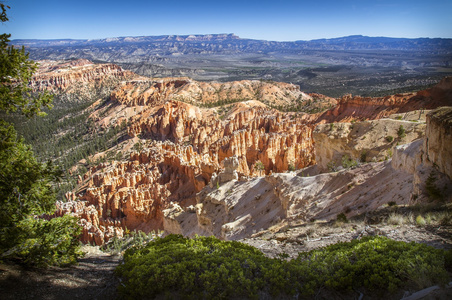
354,64
229,42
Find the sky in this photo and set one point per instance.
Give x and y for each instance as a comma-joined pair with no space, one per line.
267,20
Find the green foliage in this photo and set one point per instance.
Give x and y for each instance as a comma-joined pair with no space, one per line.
26,191
348,162
66,136
42,242
259,166
377,263
389,138
207,268
401,132
332,166
342,218
420,221
199,268
25,184
291,167
15,72
129,240
363,156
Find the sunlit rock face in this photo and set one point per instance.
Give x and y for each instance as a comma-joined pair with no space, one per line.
186,141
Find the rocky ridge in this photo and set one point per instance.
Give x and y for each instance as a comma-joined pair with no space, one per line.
237,209
77,80
176,149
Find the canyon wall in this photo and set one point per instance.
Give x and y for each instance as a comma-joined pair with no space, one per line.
234,208
181,133
77,80
438,140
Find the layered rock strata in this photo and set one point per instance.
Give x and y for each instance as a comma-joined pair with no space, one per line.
78,80
339,144
180,147
237,209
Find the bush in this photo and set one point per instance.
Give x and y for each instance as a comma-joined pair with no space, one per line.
401,132
348,162
389,138
129,240
259,166
203,267
420,220
207,268
43,242
341,218
378,264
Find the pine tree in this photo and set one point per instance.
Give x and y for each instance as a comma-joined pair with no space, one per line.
26,191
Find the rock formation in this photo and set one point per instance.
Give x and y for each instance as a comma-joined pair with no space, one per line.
157,91
237,209
438,140
363,108
78,80
344,143
181,135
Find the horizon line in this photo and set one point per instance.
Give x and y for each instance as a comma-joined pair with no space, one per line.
222,34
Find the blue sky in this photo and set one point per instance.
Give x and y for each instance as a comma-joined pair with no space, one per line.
270,20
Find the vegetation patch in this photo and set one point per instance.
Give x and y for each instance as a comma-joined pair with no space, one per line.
207,268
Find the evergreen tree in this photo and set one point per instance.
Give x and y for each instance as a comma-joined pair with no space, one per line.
26,191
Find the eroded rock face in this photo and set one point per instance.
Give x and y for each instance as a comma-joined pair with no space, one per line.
438,141
237,209
184,147
78,80
157,91
362,141
363,108
132,194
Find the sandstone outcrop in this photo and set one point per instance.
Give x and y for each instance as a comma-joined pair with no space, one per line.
363,108
438,140
78,80
157,91
237,209
179,140
362,141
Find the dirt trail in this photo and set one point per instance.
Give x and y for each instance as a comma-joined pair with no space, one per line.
92,278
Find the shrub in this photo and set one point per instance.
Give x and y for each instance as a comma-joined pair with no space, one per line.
389,138
203,267
207,268
342,218
259,166
420,220
396,219
363,156
376,263
43,242
332,166
348,162
401,132
291,167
